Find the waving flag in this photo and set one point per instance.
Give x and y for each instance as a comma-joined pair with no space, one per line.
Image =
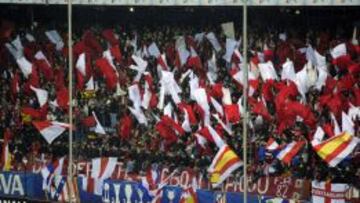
50,170
25,66
15,48
59,189
214,41
337,148
153,50
55,38
267,71
161,60
108,72
272,144
50,129
81,64
215,137
224,163
41,94
62,98
6,155
98,128
288,153
140,67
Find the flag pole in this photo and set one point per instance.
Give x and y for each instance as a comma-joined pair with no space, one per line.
245,94
70,65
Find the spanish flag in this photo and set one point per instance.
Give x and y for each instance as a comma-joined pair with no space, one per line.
335,149
224,163
6,155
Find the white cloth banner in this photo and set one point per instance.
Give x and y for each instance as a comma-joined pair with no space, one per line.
324,192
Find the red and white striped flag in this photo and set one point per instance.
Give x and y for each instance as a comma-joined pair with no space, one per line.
103,168
51,170
272,144
50,129
288,153
92,185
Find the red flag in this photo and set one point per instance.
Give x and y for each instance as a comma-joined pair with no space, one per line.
62,98
166,132
88,121
162,63
34,113
59,78
125,126
343,62
109,35
354,68
216,90
294,109
45,69
328,129
259,108
186,107
15,86
232,113
268,55
79,48
266,90
80,81
116,53
154,100
346,83
108,72
206,134
91,42
171,123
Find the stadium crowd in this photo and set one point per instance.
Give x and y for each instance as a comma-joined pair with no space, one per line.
144,87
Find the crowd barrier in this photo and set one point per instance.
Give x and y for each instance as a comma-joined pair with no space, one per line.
27,187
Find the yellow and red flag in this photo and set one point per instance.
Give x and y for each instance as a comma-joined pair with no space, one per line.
224,163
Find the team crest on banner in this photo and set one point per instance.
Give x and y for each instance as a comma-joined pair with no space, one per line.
124,192
220,197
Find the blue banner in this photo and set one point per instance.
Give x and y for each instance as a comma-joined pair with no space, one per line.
123,191
119,191
21,185
28,186
87,196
